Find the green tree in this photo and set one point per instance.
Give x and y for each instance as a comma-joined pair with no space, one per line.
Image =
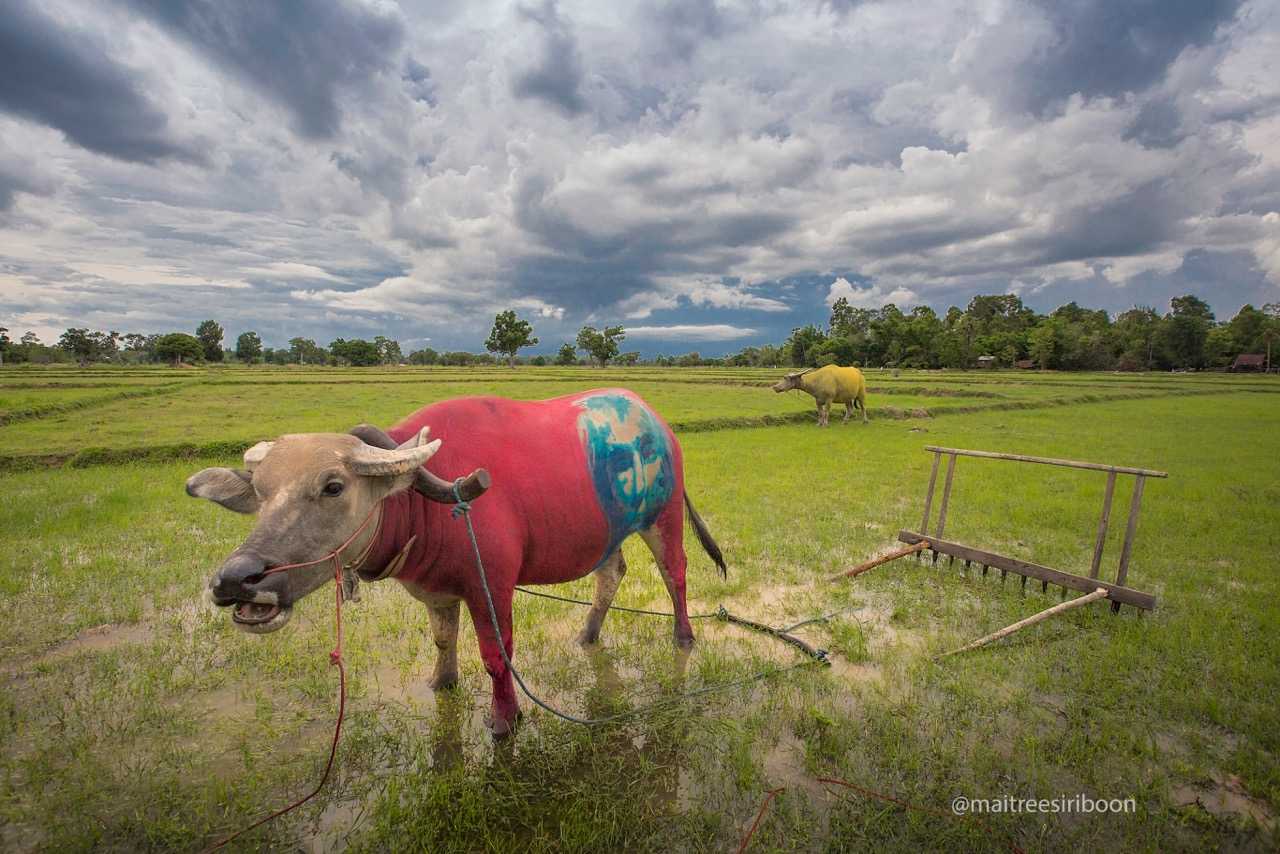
179,348
210,335
87,347
802,348
4,344
1137,331
567,355
509,335
357,352
1247,329
388,350
305,351
1186,330
1271,332
601,345
248,347
425,356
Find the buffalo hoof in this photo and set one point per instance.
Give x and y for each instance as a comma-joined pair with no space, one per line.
588,638
684,642
501,729
444,681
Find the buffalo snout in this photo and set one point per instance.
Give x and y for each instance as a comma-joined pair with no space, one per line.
238,579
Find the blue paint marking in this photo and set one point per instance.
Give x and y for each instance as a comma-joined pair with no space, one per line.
630,461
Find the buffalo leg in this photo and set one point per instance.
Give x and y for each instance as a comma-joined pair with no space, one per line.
444,630
608,577
665,540
848,412
862,404
505,708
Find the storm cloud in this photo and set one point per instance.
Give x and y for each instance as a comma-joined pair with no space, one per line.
65,77
299,54
711,173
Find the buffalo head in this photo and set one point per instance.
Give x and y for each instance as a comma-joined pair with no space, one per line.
790,381
311,492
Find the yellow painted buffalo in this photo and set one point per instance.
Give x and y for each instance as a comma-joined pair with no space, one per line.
828,385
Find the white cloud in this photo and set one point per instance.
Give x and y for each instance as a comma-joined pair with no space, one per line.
893,140
870,297
690,332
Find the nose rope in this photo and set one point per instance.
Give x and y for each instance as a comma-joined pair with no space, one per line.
335,658
333,555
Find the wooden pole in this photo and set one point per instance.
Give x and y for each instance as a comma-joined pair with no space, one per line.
1102,525
1075,464
883,559
928,496
946,499
1100,593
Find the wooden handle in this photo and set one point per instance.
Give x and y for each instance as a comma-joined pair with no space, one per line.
874,562
1100,593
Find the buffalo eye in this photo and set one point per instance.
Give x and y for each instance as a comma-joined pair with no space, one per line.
332,488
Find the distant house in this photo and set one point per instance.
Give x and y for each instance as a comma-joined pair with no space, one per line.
1250,362
986,361
1025,364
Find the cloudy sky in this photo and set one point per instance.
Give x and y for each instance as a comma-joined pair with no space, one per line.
709,174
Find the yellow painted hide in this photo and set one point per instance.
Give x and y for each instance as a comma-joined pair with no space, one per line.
834,384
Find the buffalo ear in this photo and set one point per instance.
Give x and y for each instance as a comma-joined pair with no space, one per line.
232,488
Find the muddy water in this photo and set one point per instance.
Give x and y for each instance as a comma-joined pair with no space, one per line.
97,639
1225,797
634,666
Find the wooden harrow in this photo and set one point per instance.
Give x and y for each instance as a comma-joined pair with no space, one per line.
1092,586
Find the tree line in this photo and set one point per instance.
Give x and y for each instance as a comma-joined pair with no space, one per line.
1001,331
995,330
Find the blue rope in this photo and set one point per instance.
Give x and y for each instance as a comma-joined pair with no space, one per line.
463,509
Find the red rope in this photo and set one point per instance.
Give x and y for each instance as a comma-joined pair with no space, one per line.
870,793
759,815
335,658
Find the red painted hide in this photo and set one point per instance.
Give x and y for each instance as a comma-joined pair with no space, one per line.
540,522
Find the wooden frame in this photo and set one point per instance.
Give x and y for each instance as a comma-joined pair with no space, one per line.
1117,592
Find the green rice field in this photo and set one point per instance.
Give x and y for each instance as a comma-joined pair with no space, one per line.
135,717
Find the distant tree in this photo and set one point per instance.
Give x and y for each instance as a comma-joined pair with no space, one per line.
1185,331
601,345
304,351
1271,332
629,358
1136,332
357,352
461,358
248,347
689,360
1221,346
4,344
388,350
179,348
86,346
210,334
538,361
802,347
567,355
509,335
425,356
